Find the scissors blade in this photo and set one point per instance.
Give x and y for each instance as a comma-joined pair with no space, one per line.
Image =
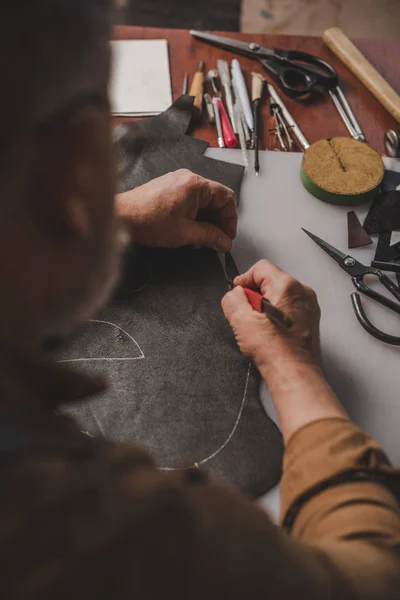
353,267
249,49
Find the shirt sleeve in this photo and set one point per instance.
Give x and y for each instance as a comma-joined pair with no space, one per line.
115,527
341,496
326,462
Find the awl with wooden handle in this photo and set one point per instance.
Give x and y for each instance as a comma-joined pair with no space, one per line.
196,90
344,49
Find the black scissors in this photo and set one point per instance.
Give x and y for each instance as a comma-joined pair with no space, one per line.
297,73
357,272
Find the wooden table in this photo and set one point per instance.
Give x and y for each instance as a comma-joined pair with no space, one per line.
317,119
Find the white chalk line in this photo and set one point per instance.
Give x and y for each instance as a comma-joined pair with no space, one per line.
98,422
127,358
141,357
228,439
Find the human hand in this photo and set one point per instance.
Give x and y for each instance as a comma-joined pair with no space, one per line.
180,209
260,339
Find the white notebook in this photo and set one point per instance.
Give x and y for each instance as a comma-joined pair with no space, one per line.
140,81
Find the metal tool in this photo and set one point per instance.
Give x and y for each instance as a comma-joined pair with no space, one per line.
392,143
256,300
228,135
209,108
245,110
240,130
247,133
357,272
285,124
213,78
297,73
238,113
345,111
224,74
239,85
185,86
257,88
196,90
347,52
218,124
281,131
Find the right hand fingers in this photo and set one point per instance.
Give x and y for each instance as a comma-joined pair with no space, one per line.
250,328
254,331
275,285
236,308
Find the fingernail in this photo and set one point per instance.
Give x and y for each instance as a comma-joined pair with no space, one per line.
224,244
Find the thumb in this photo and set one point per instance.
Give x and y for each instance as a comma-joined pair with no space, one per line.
236,307
200,233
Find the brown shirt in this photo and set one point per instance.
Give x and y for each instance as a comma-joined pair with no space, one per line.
81,519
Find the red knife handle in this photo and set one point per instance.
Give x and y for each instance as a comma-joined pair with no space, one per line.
255,299
229,136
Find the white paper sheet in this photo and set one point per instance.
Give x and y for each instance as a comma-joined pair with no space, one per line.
141,81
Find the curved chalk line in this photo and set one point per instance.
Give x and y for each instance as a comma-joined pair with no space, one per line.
141,357
228,439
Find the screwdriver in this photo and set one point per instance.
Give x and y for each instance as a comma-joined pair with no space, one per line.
196,90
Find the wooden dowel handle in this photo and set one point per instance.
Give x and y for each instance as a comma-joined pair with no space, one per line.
344,49
196,90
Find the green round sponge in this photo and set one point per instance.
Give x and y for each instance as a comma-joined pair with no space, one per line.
342,171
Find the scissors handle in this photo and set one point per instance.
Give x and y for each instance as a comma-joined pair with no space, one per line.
380,298
292,81
312,65
368,326
298,73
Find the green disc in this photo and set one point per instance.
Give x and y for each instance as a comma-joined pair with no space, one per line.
342,171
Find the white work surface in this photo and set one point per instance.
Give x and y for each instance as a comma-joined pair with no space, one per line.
364,372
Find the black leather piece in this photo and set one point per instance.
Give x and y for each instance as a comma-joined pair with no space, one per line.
383,247
384,214
179,387
390,181
154,147
357,236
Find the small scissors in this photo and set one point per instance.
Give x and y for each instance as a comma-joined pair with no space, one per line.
357,272
297,73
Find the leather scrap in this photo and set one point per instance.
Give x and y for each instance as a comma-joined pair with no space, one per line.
156,146
357,235
383,248
391,181
394,251
384,214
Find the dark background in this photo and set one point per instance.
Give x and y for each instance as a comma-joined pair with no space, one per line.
222,15
358,18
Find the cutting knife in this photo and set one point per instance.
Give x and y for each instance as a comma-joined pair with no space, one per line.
255,298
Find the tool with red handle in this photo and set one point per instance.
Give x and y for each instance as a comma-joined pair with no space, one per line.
256,300
229,136
261,305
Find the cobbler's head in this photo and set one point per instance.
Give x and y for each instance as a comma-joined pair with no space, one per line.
58,240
